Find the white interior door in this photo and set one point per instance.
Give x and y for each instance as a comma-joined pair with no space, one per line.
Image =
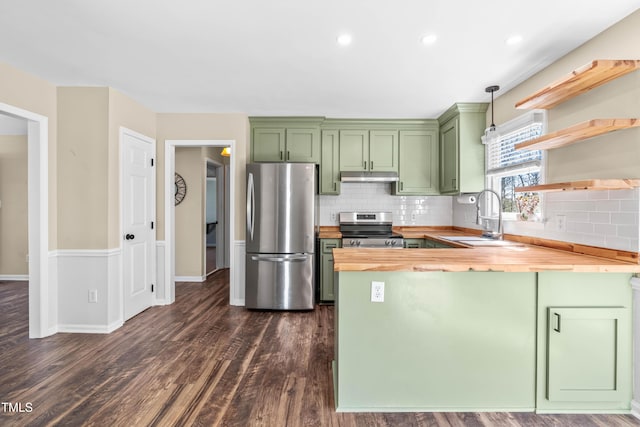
138,223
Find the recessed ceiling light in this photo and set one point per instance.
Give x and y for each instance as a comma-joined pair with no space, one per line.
515,39
429,39
344,39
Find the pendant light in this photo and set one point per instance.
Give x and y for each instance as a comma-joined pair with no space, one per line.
226,152
491,133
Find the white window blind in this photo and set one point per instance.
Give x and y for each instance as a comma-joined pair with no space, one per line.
508,168
502,156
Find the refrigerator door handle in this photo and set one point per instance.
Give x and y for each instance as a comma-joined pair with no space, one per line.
251,204
280,258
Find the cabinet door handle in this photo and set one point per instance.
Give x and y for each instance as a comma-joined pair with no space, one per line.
364,165
401,185
557,322
371,163
281,154
288,155
334,186
453,182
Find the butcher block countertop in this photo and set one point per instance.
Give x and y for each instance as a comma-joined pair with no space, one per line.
518,258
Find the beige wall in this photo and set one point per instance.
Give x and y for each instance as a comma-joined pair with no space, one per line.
89,121
14,244
199,127
190,226
23,90
615,155
83,120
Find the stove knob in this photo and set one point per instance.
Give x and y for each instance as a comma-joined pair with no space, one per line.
352,243
358,242
393,243
387,243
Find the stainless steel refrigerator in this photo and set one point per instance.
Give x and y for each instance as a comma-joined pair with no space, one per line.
281,206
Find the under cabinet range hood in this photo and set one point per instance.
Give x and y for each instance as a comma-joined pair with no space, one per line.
369,177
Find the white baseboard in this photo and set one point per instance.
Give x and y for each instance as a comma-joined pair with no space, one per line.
198,279
90,329
635,408
14,277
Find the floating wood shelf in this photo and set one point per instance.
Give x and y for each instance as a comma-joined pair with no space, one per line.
577,133
579,81
589,184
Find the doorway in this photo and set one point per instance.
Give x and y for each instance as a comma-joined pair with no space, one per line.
217,228
236,288
42,299
14,238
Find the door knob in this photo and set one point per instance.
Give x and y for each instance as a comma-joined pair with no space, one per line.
129,237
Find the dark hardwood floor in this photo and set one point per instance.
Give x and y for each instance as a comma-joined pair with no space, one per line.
198,362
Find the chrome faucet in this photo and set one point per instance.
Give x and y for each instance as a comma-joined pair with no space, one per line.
489,233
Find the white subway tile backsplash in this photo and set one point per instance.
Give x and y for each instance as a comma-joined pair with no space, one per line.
595,195
599,217
406,210
608,206
605,229
608,219
625,218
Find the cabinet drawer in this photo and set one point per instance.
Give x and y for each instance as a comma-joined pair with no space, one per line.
327,245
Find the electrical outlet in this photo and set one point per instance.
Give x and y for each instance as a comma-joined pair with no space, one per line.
377,291
561,222
333,217
93,295
413,216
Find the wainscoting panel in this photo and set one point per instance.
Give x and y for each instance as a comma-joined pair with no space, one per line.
238,273
81,272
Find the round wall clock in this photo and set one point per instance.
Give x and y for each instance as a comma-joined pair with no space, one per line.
180,190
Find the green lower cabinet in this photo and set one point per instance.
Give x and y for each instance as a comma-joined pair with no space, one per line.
414,243
584,342
327,275
584,353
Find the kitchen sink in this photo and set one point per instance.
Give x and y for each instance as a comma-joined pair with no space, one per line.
480,241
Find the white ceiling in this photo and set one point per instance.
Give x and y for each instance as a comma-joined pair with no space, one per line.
280,57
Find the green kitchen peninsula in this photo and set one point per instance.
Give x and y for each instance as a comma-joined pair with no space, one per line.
465,330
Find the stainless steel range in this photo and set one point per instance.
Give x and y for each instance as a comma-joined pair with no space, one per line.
368,230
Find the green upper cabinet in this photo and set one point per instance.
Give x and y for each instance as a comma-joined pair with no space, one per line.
268,145
285,140
354,150
418,162
462,167
303,145
369,150
383,151
329,163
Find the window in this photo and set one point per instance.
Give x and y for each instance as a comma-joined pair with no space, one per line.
508,168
